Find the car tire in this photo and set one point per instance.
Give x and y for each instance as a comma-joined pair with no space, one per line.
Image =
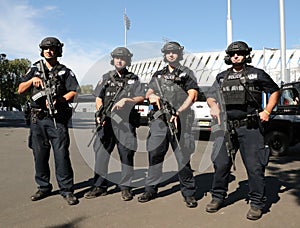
278,143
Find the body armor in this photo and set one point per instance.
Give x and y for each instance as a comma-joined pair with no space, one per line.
112,85
236,89
172,86
57,83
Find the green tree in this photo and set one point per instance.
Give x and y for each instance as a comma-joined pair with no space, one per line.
11,72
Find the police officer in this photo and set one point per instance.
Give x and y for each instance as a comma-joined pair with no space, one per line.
176,85
49,128
241,86
123,88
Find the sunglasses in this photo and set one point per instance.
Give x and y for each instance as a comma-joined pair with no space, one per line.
172,51
239,53
52,48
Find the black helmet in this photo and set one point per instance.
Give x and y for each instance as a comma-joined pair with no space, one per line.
173,46
122,52
238,46
52,42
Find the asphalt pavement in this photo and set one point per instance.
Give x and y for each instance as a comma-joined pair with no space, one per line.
168,210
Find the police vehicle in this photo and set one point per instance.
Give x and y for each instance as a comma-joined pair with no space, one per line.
143,108
284,126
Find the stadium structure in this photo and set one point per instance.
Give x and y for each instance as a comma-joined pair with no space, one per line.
207,65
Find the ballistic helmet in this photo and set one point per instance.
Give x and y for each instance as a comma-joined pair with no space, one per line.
173,46
122,52
52,42
238,46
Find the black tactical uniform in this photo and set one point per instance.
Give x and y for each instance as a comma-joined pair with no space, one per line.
174,86
119,129
47,130
242,95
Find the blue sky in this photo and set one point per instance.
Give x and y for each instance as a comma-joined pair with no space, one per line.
91,29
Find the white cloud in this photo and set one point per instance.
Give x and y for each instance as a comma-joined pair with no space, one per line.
21,30
18,30
22,27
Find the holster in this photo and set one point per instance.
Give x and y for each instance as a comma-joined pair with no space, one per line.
39,113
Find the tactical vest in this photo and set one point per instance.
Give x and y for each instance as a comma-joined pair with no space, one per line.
57,83
235,93
113,84
172,86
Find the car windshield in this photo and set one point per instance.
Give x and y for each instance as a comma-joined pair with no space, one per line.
289,97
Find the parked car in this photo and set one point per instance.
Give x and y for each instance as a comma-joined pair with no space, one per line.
143,108
284,126
202,121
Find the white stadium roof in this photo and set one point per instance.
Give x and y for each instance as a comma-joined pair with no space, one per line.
208,64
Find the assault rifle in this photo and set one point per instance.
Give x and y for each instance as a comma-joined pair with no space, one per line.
229,141
49,90
227,129
167,110
103,113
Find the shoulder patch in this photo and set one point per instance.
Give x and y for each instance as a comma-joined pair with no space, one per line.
252,76
183,74
62,72
130,81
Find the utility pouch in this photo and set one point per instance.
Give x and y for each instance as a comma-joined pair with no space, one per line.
252,121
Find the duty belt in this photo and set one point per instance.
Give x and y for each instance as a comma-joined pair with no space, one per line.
238,123
40,113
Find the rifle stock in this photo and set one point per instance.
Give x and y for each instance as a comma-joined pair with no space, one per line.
227,128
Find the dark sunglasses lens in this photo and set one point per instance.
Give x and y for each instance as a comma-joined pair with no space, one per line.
240,53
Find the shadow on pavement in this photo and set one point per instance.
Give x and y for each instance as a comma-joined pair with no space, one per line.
288,177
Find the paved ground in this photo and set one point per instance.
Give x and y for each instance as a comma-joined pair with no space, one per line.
168,210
